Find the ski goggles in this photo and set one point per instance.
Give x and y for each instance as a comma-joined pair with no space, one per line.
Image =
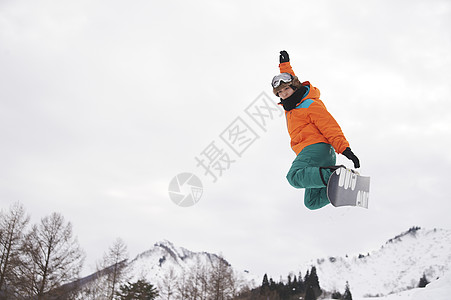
283,77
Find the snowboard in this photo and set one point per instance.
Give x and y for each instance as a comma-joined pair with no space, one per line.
347,187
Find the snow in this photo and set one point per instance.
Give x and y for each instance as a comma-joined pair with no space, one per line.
395,267
436,290
439,289
156,263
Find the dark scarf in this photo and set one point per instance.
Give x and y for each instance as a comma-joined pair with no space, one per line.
292,101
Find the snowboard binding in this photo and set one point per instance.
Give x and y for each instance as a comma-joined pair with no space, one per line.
332,168
346,187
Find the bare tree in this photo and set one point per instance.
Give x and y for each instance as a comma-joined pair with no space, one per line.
213,280
168,285
52,257
114,267
221,280
197,283
112,271
12,225
182,286
93,289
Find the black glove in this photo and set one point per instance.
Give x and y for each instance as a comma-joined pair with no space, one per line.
349,155
284,56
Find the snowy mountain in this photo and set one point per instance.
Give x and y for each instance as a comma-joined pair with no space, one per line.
397,266
391,272
172,270
156,263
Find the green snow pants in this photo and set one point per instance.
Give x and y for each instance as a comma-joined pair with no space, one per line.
304,173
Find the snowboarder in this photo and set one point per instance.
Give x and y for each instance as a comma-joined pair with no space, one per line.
314,135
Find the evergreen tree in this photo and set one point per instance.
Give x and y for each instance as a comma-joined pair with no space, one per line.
140,290
272,284
309,293
300,285
307,275
265,285
347,294
313,281
280,288
294,285
265,282
423,281
336,295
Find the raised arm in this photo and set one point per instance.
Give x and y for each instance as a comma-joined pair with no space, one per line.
285,66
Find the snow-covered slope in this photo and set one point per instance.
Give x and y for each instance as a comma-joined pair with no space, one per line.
439,289
436,290
396,266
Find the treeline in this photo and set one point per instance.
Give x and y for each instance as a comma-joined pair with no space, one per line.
294,287
44,260
209,280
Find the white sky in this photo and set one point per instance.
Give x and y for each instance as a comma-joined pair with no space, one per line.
102,103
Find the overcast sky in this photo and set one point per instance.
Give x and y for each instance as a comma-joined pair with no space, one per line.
102,103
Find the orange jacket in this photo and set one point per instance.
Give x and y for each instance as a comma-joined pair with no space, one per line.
310,122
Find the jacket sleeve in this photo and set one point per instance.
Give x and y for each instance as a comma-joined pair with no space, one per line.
328,126
286,68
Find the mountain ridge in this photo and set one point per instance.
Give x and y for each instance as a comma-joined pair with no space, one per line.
396,266
156,263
